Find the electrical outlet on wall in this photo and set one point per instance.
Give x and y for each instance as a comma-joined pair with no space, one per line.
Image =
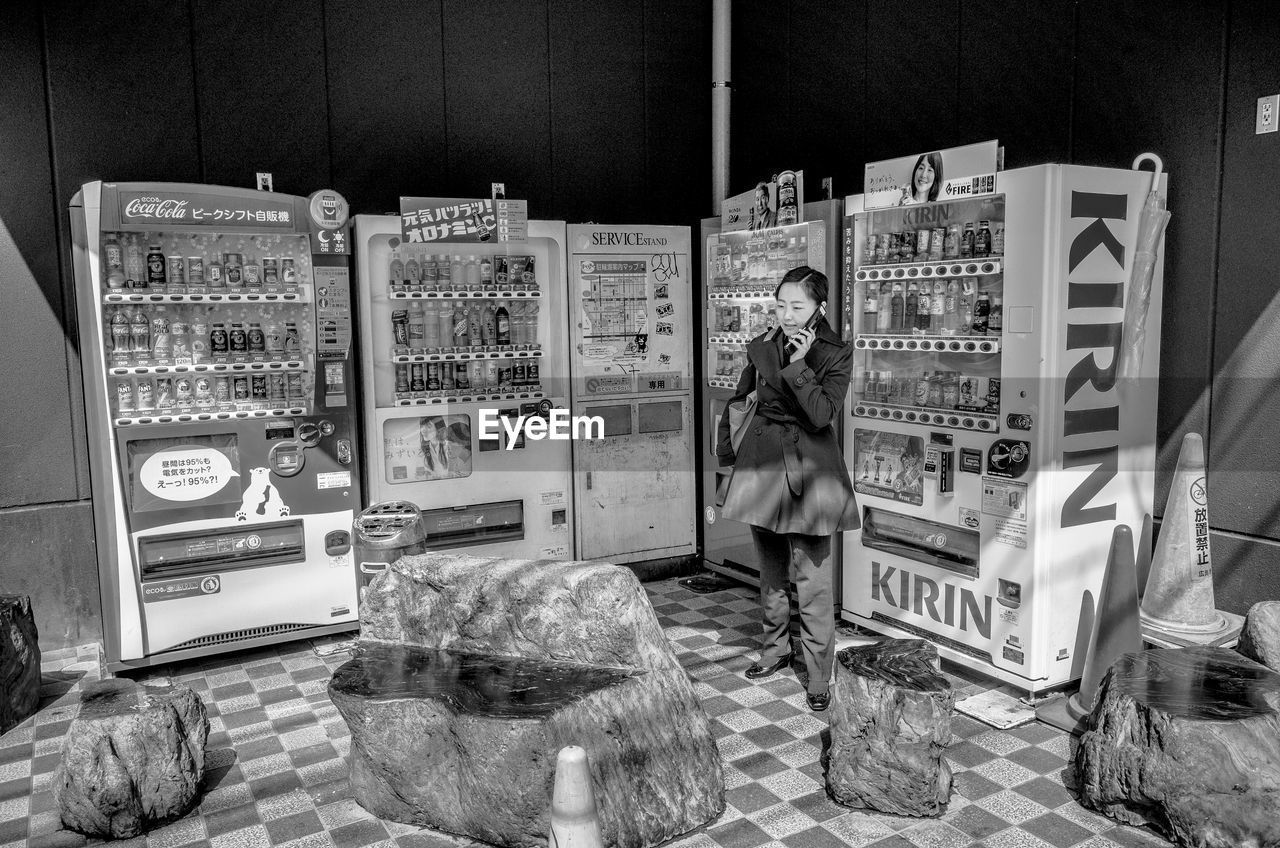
1268,114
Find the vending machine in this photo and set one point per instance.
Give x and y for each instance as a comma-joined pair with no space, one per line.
992,447
215,339
743,268
466,354
632,327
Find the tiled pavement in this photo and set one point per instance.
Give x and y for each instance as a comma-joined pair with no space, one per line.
277,775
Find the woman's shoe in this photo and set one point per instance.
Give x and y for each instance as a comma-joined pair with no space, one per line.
819,702
758,671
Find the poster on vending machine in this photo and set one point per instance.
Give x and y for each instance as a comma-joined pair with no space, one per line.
889,465
433,447
933,176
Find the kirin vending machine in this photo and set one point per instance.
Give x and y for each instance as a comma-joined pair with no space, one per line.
460,340
990,446
632,324
743,268
216,330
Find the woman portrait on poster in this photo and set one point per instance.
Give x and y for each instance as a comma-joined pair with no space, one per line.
925,182
789,480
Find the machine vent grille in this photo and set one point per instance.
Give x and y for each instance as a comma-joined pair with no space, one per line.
239,635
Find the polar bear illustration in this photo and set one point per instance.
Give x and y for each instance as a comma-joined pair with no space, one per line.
261,500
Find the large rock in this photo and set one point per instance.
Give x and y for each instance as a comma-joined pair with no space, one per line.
473,673
890,723
1260,638
1187,740
19,661
132,758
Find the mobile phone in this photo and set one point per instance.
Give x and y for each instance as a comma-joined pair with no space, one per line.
818,314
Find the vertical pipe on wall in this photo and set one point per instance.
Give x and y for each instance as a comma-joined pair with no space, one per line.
720,88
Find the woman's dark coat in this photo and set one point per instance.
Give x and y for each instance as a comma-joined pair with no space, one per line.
789,474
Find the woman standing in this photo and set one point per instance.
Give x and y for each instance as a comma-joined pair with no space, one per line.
789,480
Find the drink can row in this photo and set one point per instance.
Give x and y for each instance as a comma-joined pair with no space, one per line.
142,395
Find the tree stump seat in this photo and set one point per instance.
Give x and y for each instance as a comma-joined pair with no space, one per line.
132,758
890,722
1186,740
471,674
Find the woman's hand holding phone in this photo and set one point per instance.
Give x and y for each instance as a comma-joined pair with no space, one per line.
799,343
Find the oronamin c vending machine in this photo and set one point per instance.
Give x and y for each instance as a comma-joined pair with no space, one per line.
216,330
453,334
991,446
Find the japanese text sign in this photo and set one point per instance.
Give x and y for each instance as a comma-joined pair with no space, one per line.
451,219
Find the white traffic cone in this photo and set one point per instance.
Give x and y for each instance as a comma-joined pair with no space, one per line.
1178,602
575,823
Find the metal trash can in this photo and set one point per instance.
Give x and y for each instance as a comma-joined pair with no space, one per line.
383,533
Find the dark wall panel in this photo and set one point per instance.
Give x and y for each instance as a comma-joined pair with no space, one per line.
386,100
828,94
497,91
260,74
49,555
1015,73
1245,571
123,95
1246,355
40,462
677,84
912,54
597,110
761,130
1151,79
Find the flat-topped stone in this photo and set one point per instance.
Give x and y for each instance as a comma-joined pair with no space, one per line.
890,723
1187,740
481,685
19,661
132,758
473,673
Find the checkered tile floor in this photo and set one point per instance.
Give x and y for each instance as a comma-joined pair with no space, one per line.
277,775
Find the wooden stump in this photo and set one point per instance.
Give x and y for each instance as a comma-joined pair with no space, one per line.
890,722
1187,740
19,661
133,757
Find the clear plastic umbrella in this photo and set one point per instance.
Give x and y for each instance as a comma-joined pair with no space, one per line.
1151,223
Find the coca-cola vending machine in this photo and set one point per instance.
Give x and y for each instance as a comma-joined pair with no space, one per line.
215,342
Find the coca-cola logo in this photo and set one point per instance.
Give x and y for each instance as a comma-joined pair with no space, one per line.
154,207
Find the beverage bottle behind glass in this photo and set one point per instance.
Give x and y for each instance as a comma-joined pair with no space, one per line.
113,263
413,273
886,308
981,311
515,315
475,323
924,308
488,325
997,241
472,271
995,322
938,306
121,344
965,309
134,267
180,333
531,334
417,326
430,325
444,273
502,320
457,273
395,270
461,330
982,241
155,268
444,325
951,309
896,309
910,307
967,239
140,335
256,340
430,273
161,341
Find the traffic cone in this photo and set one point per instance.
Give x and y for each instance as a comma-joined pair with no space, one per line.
1178,600
1115,631
574,820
